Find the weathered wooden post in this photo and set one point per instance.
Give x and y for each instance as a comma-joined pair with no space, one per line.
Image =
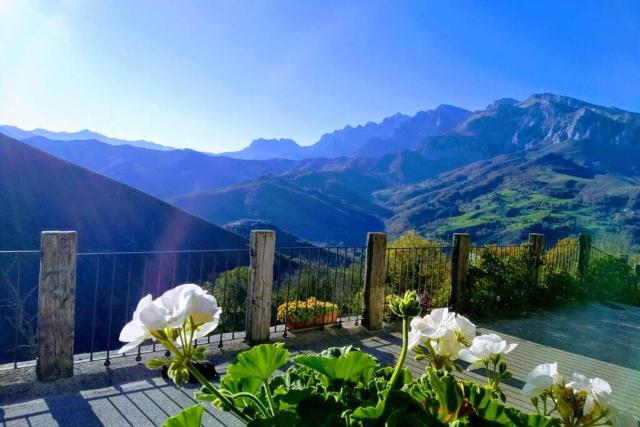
584,255
56,304
536,246
460,271
374,281
258,312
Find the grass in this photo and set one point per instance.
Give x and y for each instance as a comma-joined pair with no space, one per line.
517,210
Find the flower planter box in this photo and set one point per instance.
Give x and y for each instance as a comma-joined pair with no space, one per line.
319,320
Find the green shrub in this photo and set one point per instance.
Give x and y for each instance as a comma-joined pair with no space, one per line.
415,263
611,278
503,278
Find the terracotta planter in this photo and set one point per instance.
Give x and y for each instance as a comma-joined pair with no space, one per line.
318,321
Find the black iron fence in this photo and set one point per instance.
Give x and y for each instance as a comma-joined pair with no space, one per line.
18,307
426,270
330,280
110,284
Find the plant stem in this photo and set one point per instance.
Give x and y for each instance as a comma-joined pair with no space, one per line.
254,398
211,389
272,404
403,353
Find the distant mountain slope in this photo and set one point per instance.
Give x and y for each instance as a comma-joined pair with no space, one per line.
310,214
506,197
41,192
86,134
265,149
161,173
392,134
539,121
284,239
334,200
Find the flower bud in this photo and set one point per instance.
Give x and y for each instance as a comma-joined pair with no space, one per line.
155,363
405,306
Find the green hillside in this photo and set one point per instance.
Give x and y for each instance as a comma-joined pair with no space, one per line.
503,199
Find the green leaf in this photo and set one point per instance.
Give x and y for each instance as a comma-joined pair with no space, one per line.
387,372
254,367
337,351
447,393
395,408
355,366
282,419
320,411
188,417
491,412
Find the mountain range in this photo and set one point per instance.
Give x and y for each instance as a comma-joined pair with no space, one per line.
550,163
372,139
83,135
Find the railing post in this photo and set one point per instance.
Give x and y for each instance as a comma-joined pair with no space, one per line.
258,312
584,255
460,271
56,304
536,246
374,281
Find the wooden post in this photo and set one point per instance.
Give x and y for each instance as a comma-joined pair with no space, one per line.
460,271
56,304
374,280
258,312
584,255
536,246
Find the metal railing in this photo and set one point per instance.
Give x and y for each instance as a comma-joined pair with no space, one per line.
18,307
331,275
562,257
499,251
426,270
597,254
110,284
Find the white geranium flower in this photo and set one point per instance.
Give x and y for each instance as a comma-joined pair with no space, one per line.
483,348
190,300
597,389
541,378
466,329
446,332
148,317
447,346
202,308
430,327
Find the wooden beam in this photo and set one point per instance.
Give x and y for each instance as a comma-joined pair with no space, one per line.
536,246
374,281
56,304
258,316
584,255
460,271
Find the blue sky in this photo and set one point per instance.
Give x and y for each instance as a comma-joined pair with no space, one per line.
214,75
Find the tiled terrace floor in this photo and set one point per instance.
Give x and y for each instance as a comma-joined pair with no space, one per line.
596,340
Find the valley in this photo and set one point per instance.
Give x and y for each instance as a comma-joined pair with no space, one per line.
515,167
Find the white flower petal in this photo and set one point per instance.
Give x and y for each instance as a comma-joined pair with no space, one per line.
131,345
510,348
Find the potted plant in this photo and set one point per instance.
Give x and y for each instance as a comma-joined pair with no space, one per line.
303,314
